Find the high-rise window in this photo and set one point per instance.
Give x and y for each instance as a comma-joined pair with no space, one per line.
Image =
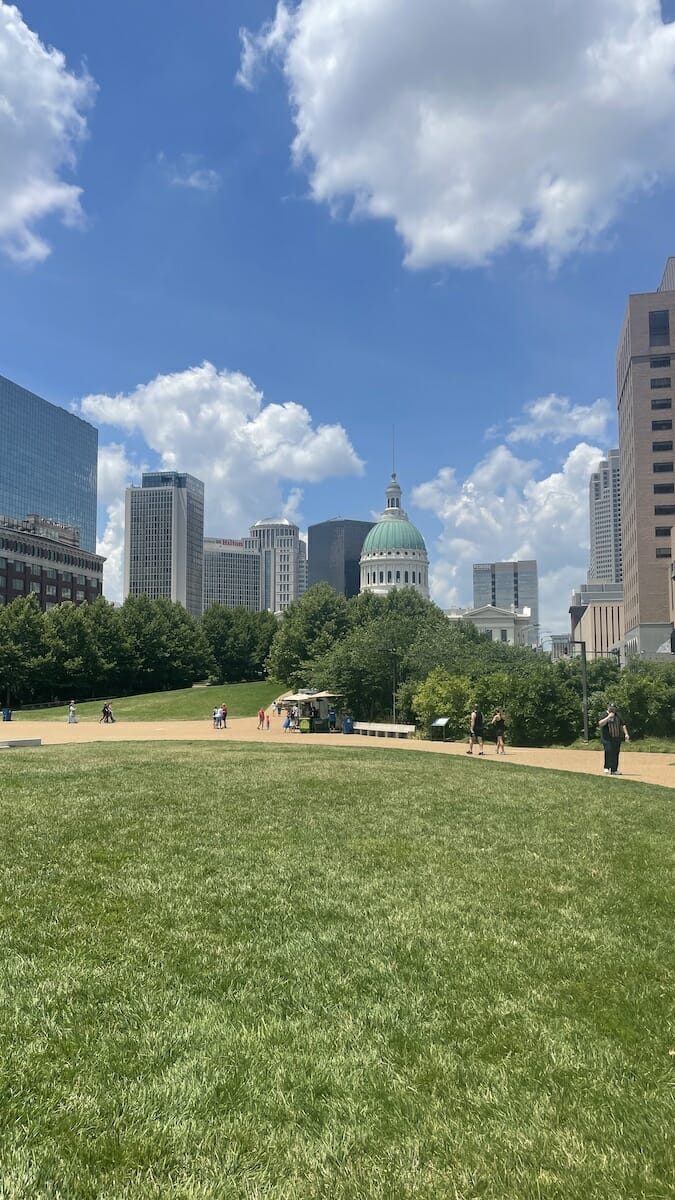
659,328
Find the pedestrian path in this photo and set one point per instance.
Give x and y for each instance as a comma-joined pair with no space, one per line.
642,768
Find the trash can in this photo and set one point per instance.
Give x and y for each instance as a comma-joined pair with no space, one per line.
440,729
305,725
6,714
347,724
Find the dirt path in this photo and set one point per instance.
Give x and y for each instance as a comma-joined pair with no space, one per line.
644,768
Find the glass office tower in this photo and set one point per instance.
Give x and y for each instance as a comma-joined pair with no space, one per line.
334,549
48,462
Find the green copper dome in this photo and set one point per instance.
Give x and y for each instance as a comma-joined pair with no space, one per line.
392,533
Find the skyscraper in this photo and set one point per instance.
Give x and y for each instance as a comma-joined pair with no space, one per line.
509,585
605,564
48,462
231,573
645,403
164,538
334,549
283,559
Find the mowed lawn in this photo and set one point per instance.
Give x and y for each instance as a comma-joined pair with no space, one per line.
243,971
183,704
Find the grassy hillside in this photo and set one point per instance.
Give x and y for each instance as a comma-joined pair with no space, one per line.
188,704
237,971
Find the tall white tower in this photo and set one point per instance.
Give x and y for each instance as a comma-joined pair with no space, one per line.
164,539
605,563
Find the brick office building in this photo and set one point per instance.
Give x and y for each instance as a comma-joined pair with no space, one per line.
43,558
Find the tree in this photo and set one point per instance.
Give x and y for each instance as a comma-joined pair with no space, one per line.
239,641
444,695
307,630
24,656
76,664
543,707
168,646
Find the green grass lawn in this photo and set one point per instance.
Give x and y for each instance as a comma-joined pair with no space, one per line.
235,971
187,704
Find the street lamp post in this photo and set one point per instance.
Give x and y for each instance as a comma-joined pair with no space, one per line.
584,683
393,694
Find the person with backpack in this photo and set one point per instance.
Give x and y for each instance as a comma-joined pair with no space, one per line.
612,732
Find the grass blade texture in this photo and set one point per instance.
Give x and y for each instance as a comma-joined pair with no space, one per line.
265,971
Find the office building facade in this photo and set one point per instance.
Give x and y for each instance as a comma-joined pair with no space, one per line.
334,549
48,462
44,559
164,539
231,573
509,585
645,366
282,562
605,563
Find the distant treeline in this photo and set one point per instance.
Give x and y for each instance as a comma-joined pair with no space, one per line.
368,649
143,646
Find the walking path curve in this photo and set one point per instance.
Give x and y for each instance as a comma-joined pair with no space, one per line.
642,768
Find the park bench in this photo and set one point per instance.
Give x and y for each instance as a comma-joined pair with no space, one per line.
18,743
377,730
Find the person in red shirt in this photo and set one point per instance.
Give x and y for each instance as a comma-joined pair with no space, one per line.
261,718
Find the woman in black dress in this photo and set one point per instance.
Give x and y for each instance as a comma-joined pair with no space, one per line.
499,727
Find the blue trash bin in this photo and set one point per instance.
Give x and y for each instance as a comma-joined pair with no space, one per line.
6,714
347,724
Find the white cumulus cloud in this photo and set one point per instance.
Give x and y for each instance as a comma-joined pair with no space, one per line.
508,508
215,425
477,126
555,418
42,123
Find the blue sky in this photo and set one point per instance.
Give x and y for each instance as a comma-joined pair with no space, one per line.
248,239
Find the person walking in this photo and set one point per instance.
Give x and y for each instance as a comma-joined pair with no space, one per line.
476,730
499,724
223,716
72,719
261,718
612,732
267,721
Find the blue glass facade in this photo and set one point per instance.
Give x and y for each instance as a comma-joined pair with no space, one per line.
48,462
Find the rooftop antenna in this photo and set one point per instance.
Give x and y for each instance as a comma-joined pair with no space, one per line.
393,451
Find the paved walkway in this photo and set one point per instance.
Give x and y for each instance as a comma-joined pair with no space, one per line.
643,768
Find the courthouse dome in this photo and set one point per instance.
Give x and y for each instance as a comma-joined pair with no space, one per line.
394,554
393,535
